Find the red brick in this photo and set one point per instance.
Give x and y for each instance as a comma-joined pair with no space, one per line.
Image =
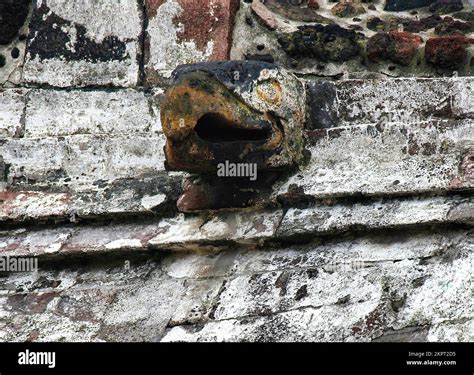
198,22
447,52
264,15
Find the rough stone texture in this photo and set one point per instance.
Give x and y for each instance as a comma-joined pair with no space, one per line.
448,52
11,115
371,239
51,113
250,228
81,153
391,158
290,34
103,149
396,5
85,43
400,47
396,100
13,31
81,137
341,290
13,15
186,31
348,9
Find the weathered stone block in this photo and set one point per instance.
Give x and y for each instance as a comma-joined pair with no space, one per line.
402,100
87,43
446,6
13,30
327,43
348,9
321,107
303,11
12,106
448,52
398,5
52,113
399,47
384,159
13,15
187,31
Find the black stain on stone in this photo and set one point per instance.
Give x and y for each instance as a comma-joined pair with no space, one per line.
301,293
260,57
398,5
327,43
48,40
13,15
4,170
344,300
419,281
321,105
282,282
295,197
44,283
312,273
397,302
231,74
15,53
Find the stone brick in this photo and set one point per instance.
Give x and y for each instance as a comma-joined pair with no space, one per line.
348,9
52,113
398,5
399,47
448,52
80,135
446,6
248,295
384,159
12,106
263,14
87,43
402,100
321,111
302,11
187,31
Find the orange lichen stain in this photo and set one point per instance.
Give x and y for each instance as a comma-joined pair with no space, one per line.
270,91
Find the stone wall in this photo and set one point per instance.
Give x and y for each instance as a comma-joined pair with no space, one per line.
370,239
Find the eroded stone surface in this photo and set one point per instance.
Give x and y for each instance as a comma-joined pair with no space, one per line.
318,42
13,31
249,228
84,44
11,113
395,158
387,268
349,290
103,150
204,32
448,52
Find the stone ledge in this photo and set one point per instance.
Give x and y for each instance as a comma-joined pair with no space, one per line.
115,198
247,228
